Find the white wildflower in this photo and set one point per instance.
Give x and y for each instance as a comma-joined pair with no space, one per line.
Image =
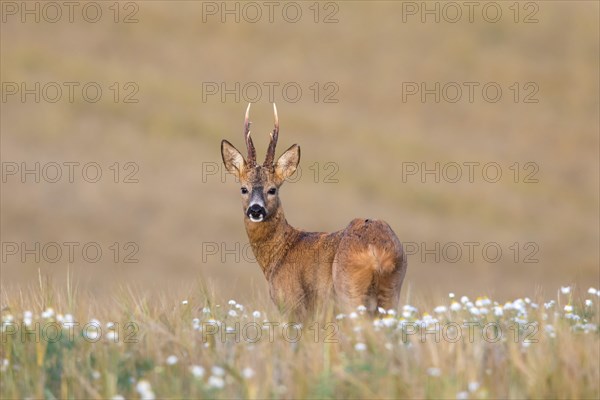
91,333
361,308
549,304
592,290
232,302
232,313
216,382
145,390
68,321
197,371
455,306
473,386
568,308
440,309
482,302
408,308
434,372
247,373
360,347
588,303
565,289
572,316
520,320
217,371
519,304
462,395
256,314
589,327
172,359
94,321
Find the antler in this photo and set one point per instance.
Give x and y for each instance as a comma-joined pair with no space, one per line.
251,150
273,143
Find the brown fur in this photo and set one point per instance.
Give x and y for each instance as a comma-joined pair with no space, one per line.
364,264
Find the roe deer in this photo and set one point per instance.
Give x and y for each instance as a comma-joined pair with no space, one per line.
363,264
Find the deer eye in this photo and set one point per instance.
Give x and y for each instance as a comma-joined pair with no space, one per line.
272,191
244,190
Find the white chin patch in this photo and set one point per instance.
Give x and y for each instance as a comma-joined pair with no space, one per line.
260,218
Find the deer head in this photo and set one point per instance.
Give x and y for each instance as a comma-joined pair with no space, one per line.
260,183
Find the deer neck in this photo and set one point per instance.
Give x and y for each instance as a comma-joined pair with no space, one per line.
270,240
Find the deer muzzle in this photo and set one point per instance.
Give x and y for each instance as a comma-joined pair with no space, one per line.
256,212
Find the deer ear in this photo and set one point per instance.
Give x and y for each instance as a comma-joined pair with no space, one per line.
232,158
288,162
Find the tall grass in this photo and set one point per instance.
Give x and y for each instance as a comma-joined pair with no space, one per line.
203,346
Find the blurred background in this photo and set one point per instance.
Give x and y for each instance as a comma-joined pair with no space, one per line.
143,93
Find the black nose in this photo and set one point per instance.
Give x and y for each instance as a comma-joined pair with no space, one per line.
256,212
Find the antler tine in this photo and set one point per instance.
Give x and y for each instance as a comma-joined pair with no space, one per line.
248,139
273,143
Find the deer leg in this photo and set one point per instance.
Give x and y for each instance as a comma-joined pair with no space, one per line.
388,294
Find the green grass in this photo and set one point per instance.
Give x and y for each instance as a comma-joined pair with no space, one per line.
171,347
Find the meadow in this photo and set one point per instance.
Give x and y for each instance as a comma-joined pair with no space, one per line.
193,343
142,242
